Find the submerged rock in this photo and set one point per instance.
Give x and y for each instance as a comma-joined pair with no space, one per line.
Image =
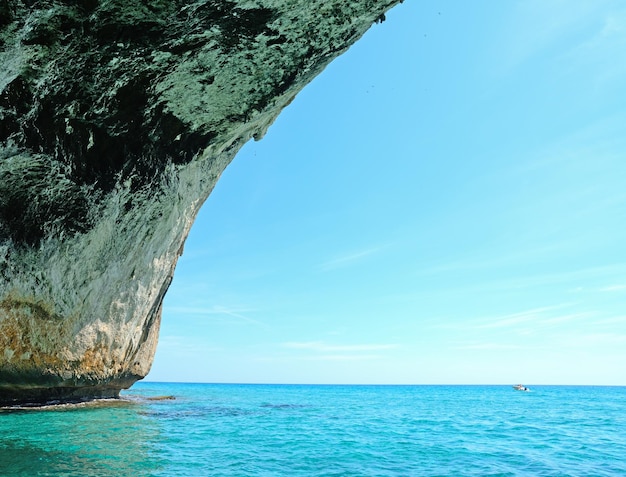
116,120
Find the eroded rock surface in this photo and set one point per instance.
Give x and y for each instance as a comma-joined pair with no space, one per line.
117,117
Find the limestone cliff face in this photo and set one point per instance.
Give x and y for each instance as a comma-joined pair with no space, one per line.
117,117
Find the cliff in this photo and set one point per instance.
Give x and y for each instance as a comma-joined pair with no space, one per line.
117,118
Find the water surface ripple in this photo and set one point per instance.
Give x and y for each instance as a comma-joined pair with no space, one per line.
275,430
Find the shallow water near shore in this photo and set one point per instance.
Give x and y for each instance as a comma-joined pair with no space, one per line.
269,430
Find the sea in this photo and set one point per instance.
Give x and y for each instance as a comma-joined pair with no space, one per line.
166,429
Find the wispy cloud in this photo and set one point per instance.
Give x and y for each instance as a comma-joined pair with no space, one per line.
320,346
598,53
568,317
487,346
338,357
321,351
348,259
612,320
523,317
186,345
594,340
591,275
234,312
613,288
552,21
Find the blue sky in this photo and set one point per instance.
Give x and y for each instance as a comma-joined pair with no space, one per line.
445,203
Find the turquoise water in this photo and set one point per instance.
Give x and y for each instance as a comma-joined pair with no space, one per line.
276,430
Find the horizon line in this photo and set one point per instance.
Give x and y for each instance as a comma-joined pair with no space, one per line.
367,384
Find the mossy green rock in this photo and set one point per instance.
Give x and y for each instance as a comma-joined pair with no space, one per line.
116,120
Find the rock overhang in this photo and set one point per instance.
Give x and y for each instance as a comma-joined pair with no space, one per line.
116,120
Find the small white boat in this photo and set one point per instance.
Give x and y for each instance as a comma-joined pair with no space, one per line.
520,387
